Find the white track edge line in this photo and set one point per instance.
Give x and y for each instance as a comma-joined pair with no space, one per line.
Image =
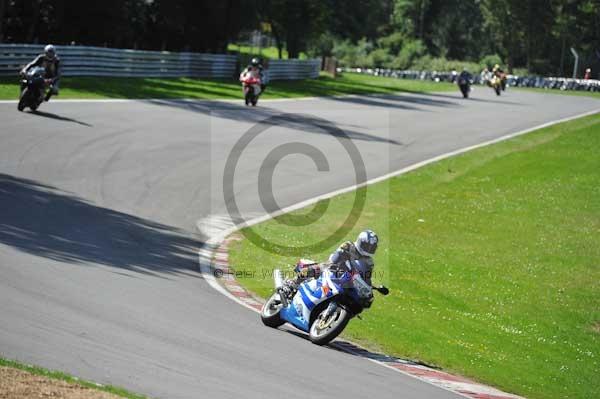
212,281
220,236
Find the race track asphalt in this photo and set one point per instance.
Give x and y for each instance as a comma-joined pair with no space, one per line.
98,241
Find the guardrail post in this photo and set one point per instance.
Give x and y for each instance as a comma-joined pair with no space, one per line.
576,66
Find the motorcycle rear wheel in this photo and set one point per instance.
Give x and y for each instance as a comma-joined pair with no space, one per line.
270,312
332,327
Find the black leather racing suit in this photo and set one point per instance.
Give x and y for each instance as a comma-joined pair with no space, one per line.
52,67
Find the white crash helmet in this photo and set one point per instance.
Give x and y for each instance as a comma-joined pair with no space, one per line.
366,243
50,51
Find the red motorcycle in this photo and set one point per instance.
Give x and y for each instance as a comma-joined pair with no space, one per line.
251,87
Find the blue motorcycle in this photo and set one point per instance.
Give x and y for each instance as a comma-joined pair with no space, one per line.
323,306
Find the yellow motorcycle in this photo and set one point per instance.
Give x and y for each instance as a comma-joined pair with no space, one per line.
496,83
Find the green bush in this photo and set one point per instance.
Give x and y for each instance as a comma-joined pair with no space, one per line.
380,58
393,42
353,55
442,64
396,52
410,52
490,60
322,46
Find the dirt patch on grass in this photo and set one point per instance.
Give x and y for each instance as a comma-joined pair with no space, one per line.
19,384
596,327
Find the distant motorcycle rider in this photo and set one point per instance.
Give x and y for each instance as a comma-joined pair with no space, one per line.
465,75
485,76
359,254
256,69
464,81
499,72
51,63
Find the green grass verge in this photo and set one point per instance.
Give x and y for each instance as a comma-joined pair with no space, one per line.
96,88
562,92
57,375
213,89
266,52
492,258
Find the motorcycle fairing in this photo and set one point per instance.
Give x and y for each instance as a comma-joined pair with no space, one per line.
291,315
311,293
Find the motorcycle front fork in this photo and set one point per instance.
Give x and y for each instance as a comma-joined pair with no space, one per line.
282,297
331,308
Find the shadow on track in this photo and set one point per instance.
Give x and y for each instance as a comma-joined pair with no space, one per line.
350,348
341,345
239,112
58,117
44,221
456,96
397,101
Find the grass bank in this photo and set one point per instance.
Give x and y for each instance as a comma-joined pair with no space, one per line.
97,88
593,94
492,258
46,386
213,89
261,52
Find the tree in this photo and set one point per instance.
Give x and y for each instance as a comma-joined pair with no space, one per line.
506,34
3,7
294,23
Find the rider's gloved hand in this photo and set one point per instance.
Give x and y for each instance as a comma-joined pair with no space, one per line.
346,246
342,254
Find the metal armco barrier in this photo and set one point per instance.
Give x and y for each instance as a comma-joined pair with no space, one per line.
512,80
100,61
293,69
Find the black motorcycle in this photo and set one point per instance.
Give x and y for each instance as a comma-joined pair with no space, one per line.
33,88
465,86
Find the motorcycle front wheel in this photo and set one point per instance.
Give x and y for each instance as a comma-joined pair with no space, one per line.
23,100
324,329
248,96
269,314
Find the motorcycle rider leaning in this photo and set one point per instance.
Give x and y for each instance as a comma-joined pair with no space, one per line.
51,63
359,253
